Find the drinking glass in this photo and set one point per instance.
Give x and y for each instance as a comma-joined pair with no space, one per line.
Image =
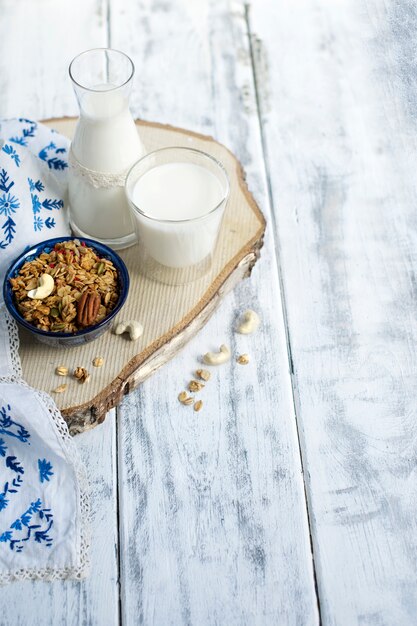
177,250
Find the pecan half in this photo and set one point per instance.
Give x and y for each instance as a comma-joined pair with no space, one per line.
87,308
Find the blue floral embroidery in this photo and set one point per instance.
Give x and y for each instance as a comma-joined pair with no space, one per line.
54,154
9,487
12,153
4,181
8,205
37,532
43,154
54,163
37,224
9,230
38,185
17,524
13,486
45,470
25,519
47,204
3,500
11,428
52,204
26,132
36,205
21,141
30,132
13,464
36,506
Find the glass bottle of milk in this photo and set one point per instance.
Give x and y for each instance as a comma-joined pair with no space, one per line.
105,145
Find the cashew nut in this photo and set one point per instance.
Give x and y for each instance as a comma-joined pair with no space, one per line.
217,358
46,287
134,328
249,322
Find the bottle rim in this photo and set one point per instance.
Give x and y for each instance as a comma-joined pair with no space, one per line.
95,90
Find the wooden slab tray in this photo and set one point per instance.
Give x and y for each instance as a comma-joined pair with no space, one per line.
170,315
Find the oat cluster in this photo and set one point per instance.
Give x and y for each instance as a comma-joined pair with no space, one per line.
85,288
195,386
81,374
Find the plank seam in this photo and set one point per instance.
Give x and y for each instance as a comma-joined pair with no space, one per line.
118,498
116,420
108,22
294,394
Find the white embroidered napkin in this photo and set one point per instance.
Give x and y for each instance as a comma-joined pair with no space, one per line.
44,506
43,486
33,178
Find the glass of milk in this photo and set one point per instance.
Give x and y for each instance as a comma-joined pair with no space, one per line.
177,197
105,145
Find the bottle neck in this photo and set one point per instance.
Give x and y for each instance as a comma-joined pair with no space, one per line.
102,106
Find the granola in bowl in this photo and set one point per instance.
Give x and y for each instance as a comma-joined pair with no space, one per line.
66,291
85,288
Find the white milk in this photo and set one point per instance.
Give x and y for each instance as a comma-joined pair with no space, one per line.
172,192
106,140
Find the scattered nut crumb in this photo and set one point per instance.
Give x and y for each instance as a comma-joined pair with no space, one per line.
98,361
184,398
248,323
195,385
60,389
133,327
198,405
81,374
203,374
61,370
243,359
217,358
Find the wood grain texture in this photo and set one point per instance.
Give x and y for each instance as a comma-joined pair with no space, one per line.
95,600
37,41
340,132
213,520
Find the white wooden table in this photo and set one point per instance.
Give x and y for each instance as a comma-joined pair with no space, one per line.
292,499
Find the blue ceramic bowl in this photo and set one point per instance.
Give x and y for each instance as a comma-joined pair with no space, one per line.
57,339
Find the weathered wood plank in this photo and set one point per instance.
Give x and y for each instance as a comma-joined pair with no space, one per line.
340,132
94,600
37,42
213,520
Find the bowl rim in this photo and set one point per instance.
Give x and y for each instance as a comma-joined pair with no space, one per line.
18,262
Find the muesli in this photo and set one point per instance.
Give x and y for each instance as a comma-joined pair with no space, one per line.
85,288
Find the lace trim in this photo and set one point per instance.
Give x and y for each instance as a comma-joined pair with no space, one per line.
13,344
103,180
81,569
